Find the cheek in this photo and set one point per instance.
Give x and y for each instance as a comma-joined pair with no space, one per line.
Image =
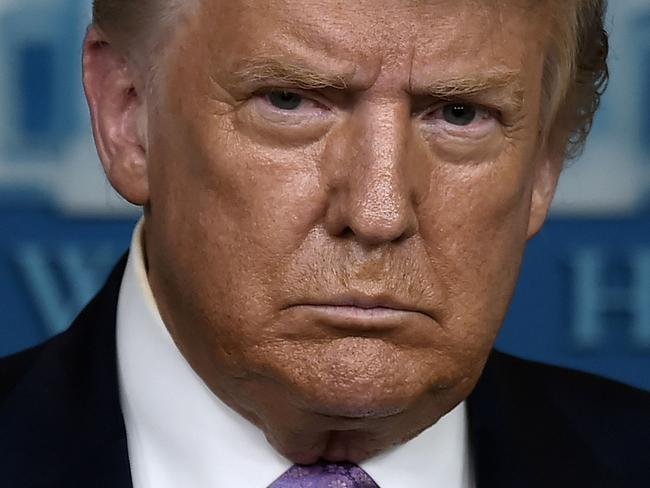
475,235
252,208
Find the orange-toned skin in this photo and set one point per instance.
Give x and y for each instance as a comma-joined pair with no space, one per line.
252,210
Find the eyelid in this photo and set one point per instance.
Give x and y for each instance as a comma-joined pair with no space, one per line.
311,110
477,130
498,109
479,107
481,111
309,95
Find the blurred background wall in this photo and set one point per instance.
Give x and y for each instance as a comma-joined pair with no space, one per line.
584,296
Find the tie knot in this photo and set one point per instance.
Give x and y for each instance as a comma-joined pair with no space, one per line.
324,475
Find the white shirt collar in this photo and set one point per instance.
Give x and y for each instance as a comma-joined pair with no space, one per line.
180,434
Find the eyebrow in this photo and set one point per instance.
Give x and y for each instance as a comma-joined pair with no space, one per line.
506,82
502,83
267,70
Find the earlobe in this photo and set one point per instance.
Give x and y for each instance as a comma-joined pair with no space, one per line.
547,173
118,115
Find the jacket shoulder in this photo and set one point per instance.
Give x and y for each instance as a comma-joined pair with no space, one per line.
14,367
59,405
22,368
561,423
569,386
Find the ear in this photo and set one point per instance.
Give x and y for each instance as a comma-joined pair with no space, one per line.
547,172
118,115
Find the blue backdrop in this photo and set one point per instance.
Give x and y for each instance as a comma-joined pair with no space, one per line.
584,295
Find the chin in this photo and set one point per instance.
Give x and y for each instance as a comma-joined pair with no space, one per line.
358,406
361,378
364,399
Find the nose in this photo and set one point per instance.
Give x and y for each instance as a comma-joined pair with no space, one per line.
373,170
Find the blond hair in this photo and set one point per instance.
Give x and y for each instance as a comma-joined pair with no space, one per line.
575,72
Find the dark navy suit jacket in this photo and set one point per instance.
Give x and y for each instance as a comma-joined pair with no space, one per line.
531,425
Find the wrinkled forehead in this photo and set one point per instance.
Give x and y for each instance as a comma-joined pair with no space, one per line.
363,37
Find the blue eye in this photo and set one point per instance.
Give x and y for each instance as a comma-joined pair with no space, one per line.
459,114
284,100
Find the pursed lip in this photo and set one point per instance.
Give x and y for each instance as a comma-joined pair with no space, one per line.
371,303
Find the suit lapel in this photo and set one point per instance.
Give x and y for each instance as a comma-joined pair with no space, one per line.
73,425
523,435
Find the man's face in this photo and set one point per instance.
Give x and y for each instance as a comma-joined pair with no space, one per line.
309,159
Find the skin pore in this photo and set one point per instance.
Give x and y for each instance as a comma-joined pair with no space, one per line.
293,152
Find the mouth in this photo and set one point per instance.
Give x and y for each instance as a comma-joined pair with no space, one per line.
363,312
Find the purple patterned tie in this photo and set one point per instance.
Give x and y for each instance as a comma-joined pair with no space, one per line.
324,475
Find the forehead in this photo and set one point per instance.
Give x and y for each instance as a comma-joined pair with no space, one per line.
365,39
383,48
